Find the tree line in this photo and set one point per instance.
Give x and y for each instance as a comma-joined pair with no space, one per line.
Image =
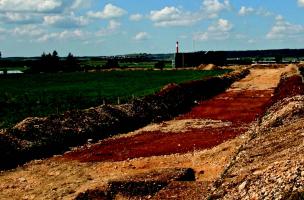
52,63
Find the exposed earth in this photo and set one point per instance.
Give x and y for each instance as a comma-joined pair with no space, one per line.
233,146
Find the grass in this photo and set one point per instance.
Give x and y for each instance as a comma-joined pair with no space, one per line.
27,95
147,64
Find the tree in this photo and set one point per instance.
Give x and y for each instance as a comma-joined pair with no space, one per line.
160,65
111,63
71,64
5,69
279,58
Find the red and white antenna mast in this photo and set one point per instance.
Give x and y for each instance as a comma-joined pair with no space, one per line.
177,50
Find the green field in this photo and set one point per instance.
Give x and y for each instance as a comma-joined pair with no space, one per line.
100,63
27,95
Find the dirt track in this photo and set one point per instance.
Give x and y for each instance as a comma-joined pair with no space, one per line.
63,177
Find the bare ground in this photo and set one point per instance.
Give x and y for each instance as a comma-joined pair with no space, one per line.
61,177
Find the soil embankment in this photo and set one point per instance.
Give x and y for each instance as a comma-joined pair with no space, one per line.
210,123
35,138
70,176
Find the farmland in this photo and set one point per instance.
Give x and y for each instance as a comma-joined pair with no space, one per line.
43,94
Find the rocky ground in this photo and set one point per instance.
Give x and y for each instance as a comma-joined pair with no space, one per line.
261,159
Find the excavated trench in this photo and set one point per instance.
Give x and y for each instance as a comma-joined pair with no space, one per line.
237,108
206,125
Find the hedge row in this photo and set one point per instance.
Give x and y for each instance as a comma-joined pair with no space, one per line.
35,138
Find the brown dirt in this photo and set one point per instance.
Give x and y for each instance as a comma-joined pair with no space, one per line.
237,106
154,144
234,106
62,178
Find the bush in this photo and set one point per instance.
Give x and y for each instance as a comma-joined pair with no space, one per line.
111,63
159,65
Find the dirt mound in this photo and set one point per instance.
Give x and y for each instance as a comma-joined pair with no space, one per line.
76,127
291,84
140,185
270,164
208,67
285,110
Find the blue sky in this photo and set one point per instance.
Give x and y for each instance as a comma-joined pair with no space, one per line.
112,27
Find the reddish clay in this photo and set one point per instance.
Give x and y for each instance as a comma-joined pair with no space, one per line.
154,144
234,106
239,107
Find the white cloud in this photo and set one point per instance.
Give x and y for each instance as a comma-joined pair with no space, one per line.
19,18
78,4
283,29
218,31
263,12
222,25
172,16
113,25
301,3
245,11
66,34
213,7
110,29
109,11
62,21
38,11
141,36
31,5
136,17
249,10
27,31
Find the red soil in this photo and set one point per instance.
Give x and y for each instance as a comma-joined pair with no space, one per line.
154,144
238,107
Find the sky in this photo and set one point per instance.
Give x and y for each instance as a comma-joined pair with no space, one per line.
116,27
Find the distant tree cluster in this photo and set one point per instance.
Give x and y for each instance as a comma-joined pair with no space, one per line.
111,63
160,65
52,63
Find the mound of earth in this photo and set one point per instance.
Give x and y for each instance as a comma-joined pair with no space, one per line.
258,161
43,137
284,111
208,67
270,166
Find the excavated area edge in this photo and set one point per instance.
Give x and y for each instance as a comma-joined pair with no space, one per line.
240,108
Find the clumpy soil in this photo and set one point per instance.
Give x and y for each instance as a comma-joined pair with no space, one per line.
239,106
67,176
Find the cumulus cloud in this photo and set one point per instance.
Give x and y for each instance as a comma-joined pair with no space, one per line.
113,25
38,11
66,34
141,36
301,3
31,5
110,29
172,16
61,21
28,31
213,7
217,31
109,11
78,4
245,11
249,10
19,18
283,29
136,17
